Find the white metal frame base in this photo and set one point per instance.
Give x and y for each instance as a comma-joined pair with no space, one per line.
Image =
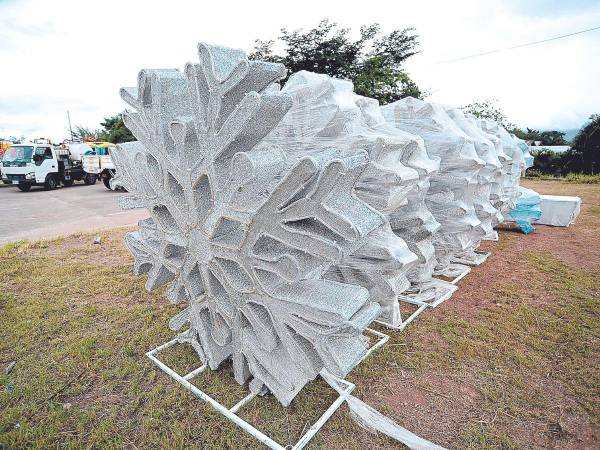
230,413
422,301
442,291
454,272
479,257
422,306
493,236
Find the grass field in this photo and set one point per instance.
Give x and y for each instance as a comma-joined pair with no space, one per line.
511,361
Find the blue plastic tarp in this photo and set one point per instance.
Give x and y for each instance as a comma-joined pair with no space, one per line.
526,210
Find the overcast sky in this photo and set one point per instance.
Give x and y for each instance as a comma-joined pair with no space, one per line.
74,55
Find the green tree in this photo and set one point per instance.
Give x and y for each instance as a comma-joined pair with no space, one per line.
489,109
115,130
553,137
86,134
373,62
528,135
584,155
386,84
550,137
548,161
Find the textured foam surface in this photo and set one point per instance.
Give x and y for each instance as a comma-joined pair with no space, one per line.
451,195
244,230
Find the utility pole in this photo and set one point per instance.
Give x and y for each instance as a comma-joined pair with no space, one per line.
70,129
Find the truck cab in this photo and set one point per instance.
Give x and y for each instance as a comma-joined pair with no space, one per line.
41,164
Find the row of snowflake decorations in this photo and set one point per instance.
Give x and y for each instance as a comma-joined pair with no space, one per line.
286,219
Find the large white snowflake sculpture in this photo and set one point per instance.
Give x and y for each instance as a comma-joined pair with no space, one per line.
487,177
498,196
450,197
327,114
512,160
243,232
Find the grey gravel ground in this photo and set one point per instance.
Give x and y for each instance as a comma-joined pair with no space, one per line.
41,214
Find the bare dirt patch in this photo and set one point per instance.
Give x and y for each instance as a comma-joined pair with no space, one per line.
102,248
494,386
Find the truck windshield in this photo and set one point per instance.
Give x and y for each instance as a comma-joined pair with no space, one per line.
18,154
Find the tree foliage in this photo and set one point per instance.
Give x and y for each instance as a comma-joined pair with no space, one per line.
113,130
582,157
489,109
546,161
551,137
585,149
85,134
549,162
373,62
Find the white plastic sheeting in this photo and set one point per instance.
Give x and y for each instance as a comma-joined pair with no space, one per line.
527,205
527,157
326,115
518,204
451,195
503,198
559,210
523,205
371,419
488,176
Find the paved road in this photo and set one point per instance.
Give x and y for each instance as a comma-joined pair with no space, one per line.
44,214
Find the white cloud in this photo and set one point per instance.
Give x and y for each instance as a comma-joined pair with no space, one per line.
67,55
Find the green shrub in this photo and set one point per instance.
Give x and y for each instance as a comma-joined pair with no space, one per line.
568,178
582,178
548,162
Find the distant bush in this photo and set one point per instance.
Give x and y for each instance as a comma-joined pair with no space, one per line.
535,173
548,162
568,178
584,155
582,178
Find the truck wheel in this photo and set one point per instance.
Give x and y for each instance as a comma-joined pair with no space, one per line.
106,182
67,183
89,178
24,187
50,183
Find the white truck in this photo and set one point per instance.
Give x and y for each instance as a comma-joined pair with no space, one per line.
41,164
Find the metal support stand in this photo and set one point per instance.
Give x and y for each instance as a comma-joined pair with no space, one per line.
422,306
454,273
478,257
493,236
424,296
231,413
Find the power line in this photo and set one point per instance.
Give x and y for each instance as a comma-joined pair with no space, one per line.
518,46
